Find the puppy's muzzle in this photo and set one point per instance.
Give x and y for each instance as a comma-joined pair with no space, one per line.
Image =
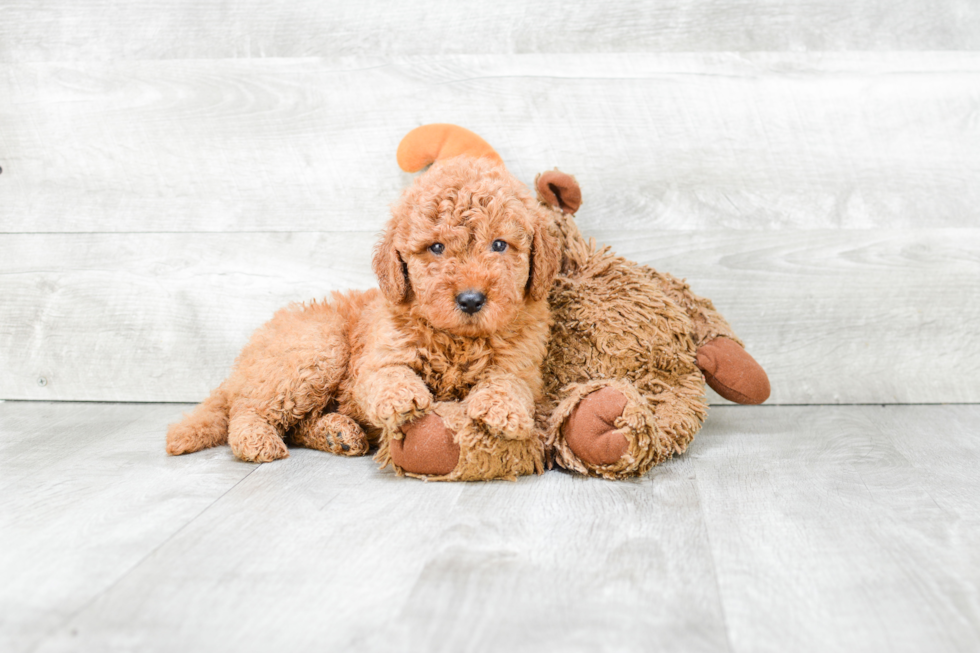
471,301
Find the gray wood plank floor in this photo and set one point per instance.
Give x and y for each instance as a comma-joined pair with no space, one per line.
851,528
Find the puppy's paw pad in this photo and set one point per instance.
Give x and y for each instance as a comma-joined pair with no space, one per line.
346,443
334,433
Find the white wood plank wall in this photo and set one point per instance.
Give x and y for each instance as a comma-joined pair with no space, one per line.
88,30
173,172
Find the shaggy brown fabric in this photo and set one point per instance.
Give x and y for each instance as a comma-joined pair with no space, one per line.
624,328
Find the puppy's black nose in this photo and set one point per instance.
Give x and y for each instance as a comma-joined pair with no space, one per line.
471,301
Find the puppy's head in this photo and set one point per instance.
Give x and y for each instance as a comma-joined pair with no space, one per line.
467,248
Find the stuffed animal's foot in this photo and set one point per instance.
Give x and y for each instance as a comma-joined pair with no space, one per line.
253,439
426,448
614,429
446,444
590,431
732,372
333,433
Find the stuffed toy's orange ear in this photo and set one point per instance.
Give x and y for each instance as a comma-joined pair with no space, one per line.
430,143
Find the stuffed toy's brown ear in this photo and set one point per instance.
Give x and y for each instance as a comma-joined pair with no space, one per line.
545,261
555,188
390,269
430,143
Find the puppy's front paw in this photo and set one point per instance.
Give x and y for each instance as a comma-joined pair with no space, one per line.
502,414
401,403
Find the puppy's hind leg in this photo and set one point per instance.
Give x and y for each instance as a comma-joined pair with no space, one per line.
333,433
204,427
252,438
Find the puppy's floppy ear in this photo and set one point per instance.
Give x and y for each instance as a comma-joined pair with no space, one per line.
390,269
545,259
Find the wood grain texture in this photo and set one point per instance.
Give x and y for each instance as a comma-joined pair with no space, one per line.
143,311
86,493
834,316
63,30
333,555
330,554
842,529
657,141
784,528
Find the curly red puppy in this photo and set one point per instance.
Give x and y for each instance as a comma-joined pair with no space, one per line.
464,269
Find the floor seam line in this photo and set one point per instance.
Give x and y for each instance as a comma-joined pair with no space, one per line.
67,418
138,563
714,563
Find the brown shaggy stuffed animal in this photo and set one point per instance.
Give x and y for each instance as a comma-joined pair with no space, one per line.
628,356
456,335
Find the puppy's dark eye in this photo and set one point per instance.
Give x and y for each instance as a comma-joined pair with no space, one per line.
498,246
437,248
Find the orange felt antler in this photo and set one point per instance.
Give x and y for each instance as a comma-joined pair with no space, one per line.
430,143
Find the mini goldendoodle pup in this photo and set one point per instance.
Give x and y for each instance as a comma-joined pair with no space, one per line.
464,267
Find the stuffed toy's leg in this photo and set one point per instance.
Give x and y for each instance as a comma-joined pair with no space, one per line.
446,445
732,372
728,368
610,428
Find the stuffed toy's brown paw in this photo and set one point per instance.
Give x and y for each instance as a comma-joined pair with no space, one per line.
447,445
732,372
590,431
427,448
